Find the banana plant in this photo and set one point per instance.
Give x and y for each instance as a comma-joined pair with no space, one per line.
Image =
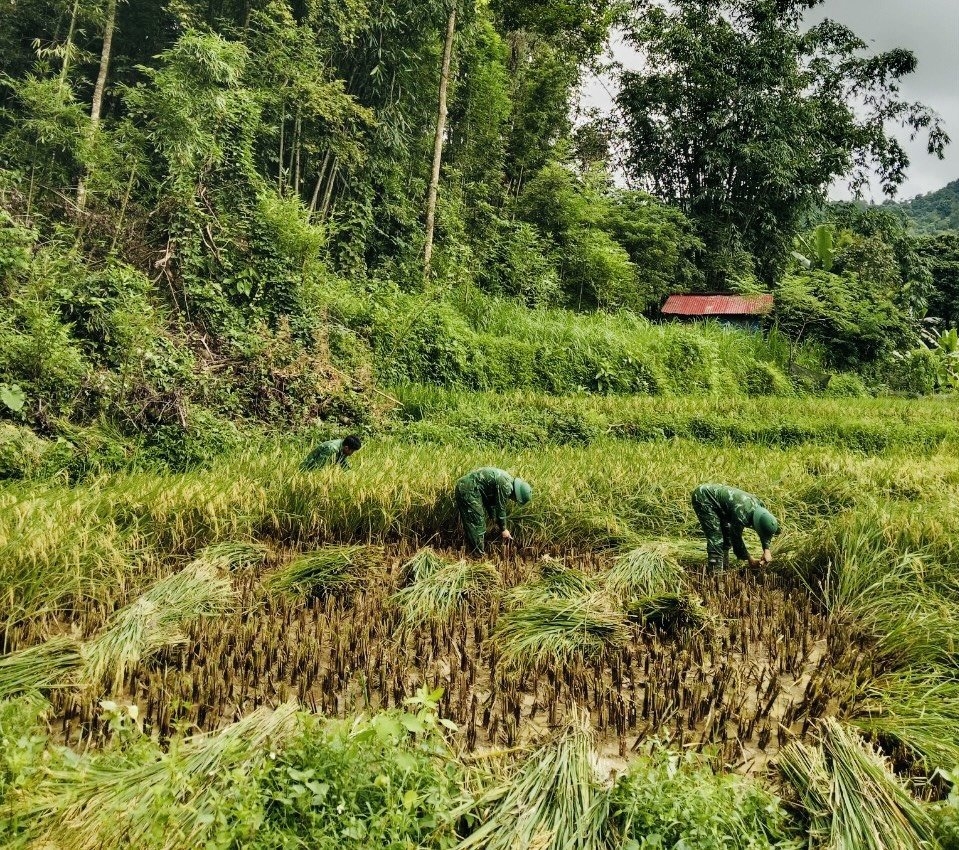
819,249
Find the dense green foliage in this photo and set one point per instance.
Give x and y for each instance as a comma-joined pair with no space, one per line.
211,217
744,118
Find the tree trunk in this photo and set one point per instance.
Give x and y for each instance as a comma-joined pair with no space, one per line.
319,182
279,178
100,86
96,107
438,144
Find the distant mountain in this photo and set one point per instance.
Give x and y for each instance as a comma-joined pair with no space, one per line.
934,212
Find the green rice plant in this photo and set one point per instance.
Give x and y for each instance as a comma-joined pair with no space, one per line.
916,711
560,630
670,612
852,798
645,571
162,800
332,569
154,621
47,665
555,580
554,800
440,591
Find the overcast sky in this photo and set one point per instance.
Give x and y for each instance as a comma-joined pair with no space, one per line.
930,28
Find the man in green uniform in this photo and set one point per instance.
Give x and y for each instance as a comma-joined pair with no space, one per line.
332,452
486,491
724,512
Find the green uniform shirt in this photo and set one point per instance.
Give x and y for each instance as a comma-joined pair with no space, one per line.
493,487
735,508
326,453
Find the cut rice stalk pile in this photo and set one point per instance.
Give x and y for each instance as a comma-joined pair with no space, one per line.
332,569
422,564
47,665
556,631
118,800
554,801
853,800
437,593
234,554
555,581
154,621
647,570
668,611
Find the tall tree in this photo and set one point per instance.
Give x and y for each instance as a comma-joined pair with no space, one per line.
744,118
438,142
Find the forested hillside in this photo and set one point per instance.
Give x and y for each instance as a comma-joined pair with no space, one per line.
223,215
935,211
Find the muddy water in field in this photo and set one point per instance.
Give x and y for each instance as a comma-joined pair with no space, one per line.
768,665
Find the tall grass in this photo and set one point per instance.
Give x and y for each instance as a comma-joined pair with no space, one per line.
99,539
916,711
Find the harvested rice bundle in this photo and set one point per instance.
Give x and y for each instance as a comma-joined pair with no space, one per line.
48,665
647,570
853,799
557,631
554,801
154,621
331,569
439,592
121,800
555,581
668,611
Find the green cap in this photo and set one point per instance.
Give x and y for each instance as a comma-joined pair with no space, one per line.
766,525
522,491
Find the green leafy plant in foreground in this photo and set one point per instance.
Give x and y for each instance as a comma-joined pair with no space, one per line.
671,800
384,781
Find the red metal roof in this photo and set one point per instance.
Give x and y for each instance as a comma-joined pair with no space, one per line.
718,305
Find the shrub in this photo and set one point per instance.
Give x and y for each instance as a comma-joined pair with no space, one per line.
846,385
764,379
38,353
676,800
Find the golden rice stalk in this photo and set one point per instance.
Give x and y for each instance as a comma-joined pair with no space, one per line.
154,621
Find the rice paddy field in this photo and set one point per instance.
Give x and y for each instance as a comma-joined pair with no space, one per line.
253,656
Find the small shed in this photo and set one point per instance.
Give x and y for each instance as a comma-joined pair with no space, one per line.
743,311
